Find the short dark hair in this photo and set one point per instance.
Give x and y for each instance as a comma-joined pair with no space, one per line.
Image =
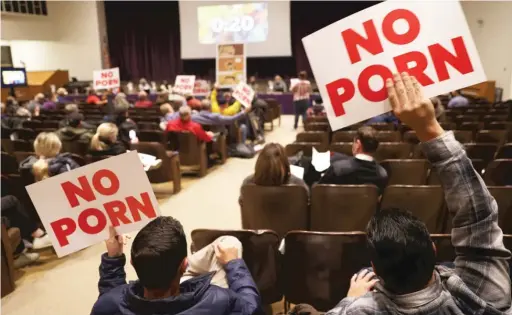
367,136
401,250
303,75
158,251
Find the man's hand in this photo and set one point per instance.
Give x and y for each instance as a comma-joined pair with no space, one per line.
360,283
411,107
114,243
225,254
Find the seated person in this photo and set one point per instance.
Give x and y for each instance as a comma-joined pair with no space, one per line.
206,117
279,85
184,123
144,86
61,95
143,101
159,257
458,100
272,169
177,98
105,141
193,102
16,215
48,160
121,101
361,168
71,109
74,131
168,114
162,97
222,106
128,129
405,277
34,106
317,109
11,106
383,118
51,104
93,99
22,114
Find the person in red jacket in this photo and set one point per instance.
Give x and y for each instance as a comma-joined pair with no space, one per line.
143,101
185,124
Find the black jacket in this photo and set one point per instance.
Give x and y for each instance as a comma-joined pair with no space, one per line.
75,134
353,171
113,149
57,165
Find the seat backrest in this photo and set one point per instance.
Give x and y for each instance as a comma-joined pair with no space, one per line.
463,136
9,164
388,136
491,136
393,150
22,145
342,208
406,172
383,126
76,147
481,151
503,197
411,137
294,148
278,208
505,152
342,147
444,248
317,266
187,145
314,136
317,126
424,202
151,136
260,251
499,173
343,136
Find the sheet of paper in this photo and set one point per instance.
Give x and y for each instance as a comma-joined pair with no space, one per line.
321,160
297,171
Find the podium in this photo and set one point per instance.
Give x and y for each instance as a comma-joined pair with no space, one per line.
38,82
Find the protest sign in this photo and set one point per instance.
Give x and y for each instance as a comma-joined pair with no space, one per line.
293,82
352,58
106,79
184,84
201,87
78,206
244,94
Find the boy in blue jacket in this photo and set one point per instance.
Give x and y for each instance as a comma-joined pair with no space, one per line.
158,255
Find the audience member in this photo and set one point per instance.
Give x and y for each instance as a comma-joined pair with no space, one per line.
105,142
168,114
144,86
162,97
458,100
253,83
405,278
128,129
317,109
362,167
272,169
222,106
184,123
50,104
143,101
61,95
121,101
279,85
159,257
48,160
71,109
34,106
388,117
206,117
193,102
33,236
11,106
22,114
93,99
301,94
177,98
74,131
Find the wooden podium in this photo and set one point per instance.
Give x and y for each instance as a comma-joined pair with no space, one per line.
485,89
38,82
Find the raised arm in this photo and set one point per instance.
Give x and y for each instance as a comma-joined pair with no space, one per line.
112,272
213,101
227,120
232,109
481,259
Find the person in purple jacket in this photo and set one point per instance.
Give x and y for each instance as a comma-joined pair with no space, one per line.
159,257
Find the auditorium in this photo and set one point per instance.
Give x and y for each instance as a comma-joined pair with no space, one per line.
256,157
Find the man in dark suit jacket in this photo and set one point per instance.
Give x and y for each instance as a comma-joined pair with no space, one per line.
361,168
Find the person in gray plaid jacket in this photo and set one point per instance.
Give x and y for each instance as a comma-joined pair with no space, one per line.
405,279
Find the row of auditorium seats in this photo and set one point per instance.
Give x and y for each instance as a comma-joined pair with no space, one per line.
343,208
316,267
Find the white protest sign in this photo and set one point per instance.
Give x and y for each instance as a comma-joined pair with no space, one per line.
244,94
106,79
184,84
321,160
201,87
293,82
352,58
77,207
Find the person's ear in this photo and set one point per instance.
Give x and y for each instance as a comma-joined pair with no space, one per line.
183,266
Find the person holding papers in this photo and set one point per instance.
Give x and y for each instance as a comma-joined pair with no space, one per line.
362,167
143,101
272,169
223,106
404,278
214,280
301,93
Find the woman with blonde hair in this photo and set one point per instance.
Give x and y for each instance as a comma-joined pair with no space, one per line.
48,160
104,142
272,169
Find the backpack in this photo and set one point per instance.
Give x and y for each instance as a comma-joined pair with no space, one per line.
241,150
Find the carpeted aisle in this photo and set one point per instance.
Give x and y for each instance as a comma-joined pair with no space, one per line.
69,285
